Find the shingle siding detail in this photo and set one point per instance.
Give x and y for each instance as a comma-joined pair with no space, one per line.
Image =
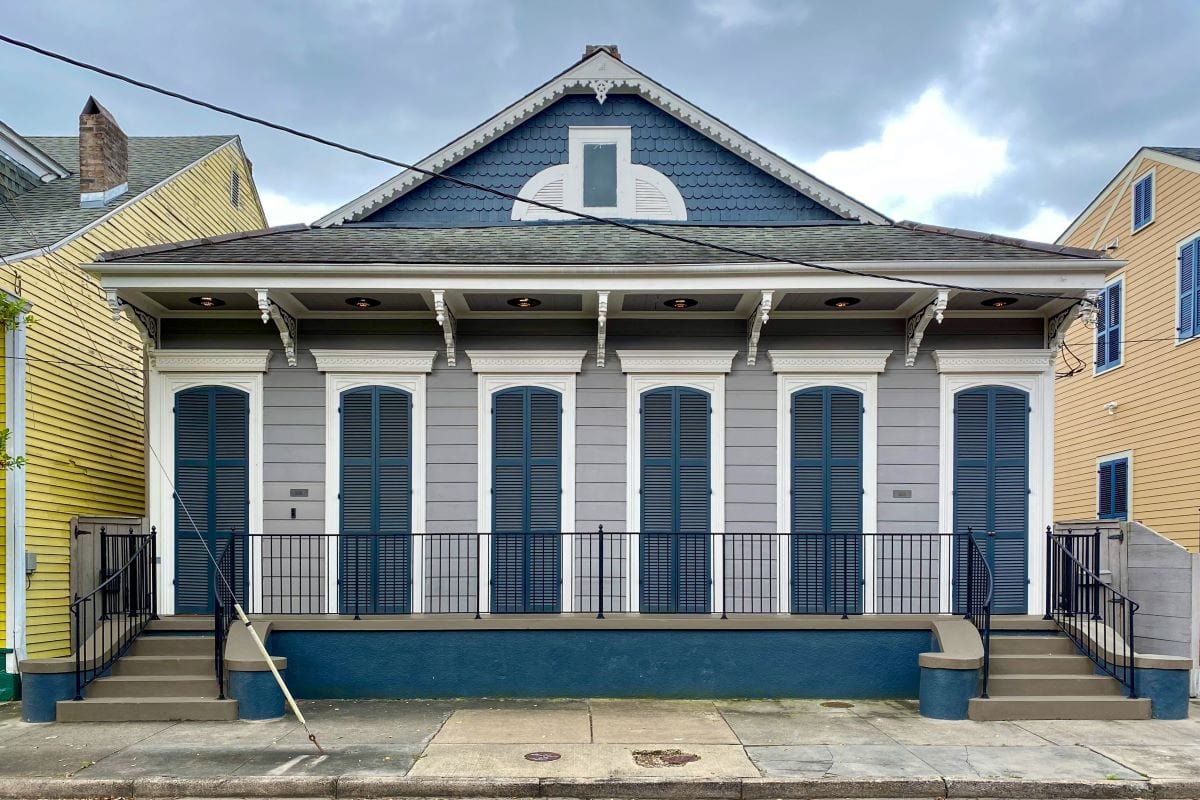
716,184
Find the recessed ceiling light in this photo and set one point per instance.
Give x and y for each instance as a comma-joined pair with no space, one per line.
525,302
842,302
206,301
681,303
362,302
999,302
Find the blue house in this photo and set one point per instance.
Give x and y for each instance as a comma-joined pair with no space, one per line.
465,436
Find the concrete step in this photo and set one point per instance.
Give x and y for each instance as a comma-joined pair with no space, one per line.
1041,665
180,625
154,709
139,686
1032,645
172,646
165,665
1054,685
1022,623
1058,707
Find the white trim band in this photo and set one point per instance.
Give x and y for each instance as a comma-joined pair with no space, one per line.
950,362
211,360
660,362
829,362
387,361
527,362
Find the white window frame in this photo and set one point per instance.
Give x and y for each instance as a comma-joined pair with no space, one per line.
1103,317
354,369
171,373
704,370
1031,371
1127,455
857,370
1184,242
1133,228
508,369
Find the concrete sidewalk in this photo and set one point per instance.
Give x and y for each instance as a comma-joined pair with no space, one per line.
603,748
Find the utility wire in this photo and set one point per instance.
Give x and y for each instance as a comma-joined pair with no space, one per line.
662,234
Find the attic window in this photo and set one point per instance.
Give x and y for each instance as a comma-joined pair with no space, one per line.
601,179
235,189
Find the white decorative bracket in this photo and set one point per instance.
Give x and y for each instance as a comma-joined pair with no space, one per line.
914,330
289,329
755,325
601,87
601,326
1057,325
147,324
445,318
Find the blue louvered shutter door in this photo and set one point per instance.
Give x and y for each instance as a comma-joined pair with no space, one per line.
358,501
809,569
658,499
1010,500
192,501
844,412
1120,490
509,521
231,477
1188,257
1113,322
392,592
694,488
971,484
543,544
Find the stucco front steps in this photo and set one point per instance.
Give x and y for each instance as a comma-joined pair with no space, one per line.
147,709
1044,677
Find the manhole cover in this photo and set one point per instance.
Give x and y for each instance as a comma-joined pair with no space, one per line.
542,755
837,704
663,758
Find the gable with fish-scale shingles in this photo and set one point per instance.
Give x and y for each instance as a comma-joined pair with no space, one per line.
717,185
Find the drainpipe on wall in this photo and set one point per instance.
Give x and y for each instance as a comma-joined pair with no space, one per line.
14,506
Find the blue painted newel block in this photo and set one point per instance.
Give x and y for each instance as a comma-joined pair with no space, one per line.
1167,690
257,694
41,691
947,693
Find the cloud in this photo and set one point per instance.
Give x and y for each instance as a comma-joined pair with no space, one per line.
1045,226
283,210
730,14
927,154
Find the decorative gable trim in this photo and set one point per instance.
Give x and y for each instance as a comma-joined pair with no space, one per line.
950,362
375,361
829,362
602,74
691,362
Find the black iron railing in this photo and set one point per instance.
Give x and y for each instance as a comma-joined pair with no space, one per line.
224,581
1098,618
107,619
605,572
976,600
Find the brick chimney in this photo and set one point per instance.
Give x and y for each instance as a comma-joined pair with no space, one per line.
590,49
103,156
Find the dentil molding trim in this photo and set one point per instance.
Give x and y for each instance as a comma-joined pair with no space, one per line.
829,362
967,361
392,361
527,362
685,361
211,360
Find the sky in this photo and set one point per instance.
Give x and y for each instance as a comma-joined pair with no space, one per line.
998,115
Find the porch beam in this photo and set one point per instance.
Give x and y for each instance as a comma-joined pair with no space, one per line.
601,325
289,328
147,324
914,330
445,318
754,326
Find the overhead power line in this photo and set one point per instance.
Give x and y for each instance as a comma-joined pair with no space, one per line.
662,234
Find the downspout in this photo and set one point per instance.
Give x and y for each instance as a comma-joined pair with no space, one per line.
14,505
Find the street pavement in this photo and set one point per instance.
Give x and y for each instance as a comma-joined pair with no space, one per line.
594,748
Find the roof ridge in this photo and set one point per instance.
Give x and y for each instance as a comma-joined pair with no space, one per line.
116,255
1028,244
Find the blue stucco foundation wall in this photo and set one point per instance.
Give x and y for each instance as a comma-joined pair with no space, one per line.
41,691
257,693
1167,690
947,693
602,663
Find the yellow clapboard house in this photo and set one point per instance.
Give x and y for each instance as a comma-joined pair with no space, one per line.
1127,445
72,379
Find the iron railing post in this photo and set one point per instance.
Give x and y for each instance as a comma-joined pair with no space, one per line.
478,575
1096,573
1049,573
600,574
724,582
969,595
1130,651
153,572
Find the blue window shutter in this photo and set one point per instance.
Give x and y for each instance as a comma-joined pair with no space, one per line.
1189,255
1113,489
1143,201
212,433
826,499
991,487
1102,329
1104,493
676,502
1114,324
376,501
526,500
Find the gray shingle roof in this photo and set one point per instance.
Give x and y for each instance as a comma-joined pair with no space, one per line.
584,243
1192,153
49,213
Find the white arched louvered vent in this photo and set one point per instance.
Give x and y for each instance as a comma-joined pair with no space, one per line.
641,192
